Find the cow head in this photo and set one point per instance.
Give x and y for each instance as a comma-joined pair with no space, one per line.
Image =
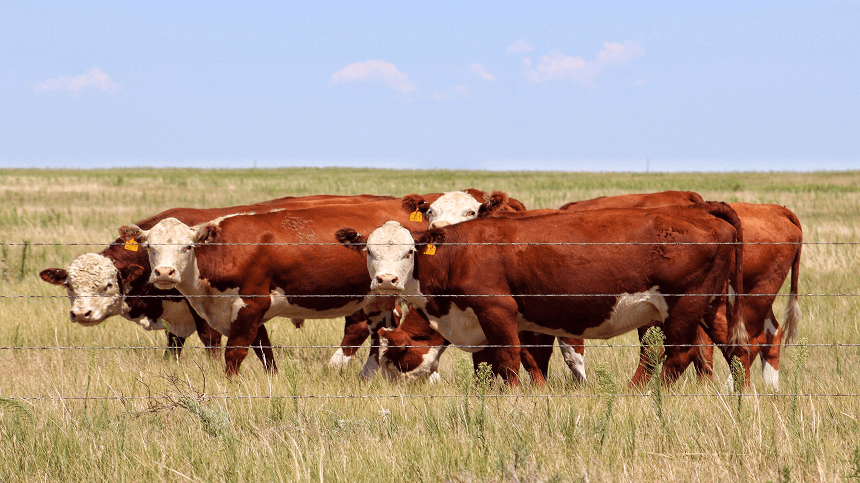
170,248
451,208
95,287
389,249
403,358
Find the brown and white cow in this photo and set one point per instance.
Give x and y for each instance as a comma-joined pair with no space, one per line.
480,282
773,239
439,209
241,270
115,281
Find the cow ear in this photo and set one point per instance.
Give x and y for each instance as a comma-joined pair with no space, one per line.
351,239
431,237
206,233
130,273
412,203
55,276
493,203
132,232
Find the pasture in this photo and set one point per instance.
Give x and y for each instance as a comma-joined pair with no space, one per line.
103,403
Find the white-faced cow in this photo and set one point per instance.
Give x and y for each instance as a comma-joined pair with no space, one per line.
594,274
241,270
116,281
442,210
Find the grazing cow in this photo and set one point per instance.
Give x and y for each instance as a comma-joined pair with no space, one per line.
115,281
240,270
415,332
482,281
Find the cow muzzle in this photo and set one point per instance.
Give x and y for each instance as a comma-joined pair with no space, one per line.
86,317
164,278
387,284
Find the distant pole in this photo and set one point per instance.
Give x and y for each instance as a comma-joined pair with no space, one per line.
647,165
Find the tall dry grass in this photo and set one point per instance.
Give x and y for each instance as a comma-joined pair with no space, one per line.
109,406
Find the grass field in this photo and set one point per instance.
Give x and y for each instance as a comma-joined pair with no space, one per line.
108,406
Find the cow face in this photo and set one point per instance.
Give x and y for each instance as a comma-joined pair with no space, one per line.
402,358
170,248
93,285
390,251
451,208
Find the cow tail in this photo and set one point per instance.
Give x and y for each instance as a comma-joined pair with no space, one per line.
737,328
792,309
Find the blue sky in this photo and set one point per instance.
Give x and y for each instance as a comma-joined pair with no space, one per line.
488,85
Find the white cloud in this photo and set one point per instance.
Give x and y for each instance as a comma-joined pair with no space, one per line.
375,71
481,73
455,92
520,46
95,78
557,66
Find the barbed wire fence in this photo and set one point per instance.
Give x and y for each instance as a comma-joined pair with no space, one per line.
752,394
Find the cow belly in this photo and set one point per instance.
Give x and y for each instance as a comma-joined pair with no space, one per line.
179,318
461,328
630,311
282,308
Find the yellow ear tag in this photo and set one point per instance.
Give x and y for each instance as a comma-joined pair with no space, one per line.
416,216
131,245
430,250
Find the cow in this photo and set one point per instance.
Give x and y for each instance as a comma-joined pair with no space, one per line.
241,270
480,282
415,331
437,208
115,281
773,239
773,235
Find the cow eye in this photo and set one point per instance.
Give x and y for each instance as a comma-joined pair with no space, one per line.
471,213
409,255
109,286
186,248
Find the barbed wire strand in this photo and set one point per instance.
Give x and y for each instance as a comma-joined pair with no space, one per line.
488,346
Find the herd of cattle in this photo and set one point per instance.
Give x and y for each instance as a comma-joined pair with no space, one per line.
468,268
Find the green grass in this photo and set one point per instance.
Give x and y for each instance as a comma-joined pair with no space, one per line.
125,413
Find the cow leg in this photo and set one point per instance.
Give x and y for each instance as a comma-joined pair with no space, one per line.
174,346
703,359
499,323
263,348
573,351
243,332
718,332
355,332
539,351
770,345
380,316
210,337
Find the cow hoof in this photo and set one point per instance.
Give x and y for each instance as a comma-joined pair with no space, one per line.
435,378
339,359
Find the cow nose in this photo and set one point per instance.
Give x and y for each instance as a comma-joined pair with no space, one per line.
386,279
164,272
439,224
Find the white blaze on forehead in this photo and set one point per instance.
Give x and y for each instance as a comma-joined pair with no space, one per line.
167,246
90,272
93,288
453,207
389,254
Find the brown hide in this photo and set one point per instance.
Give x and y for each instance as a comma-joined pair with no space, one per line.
509,270
303,262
